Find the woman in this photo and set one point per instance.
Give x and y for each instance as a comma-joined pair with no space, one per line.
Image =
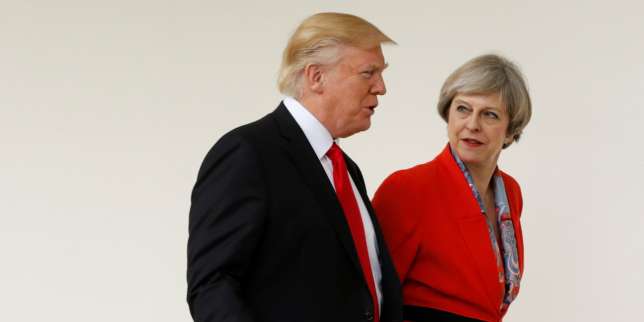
452,224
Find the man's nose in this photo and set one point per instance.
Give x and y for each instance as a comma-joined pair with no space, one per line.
379,87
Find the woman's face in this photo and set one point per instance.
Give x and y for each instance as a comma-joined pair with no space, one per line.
477,128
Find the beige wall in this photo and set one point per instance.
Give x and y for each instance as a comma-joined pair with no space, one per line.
107,108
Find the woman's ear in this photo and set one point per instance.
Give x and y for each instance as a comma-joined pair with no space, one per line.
508,140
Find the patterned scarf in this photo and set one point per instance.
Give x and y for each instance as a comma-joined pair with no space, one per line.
508,259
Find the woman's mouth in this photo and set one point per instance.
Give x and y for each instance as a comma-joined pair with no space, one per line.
472,142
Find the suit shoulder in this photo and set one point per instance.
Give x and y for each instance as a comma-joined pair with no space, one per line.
238,147
513,191
248,135
404,184
409,175
251,132
510,181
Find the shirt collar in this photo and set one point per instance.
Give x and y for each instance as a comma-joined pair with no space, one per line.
317,135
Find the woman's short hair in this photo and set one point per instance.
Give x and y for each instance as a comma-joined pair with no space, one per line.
317,41
491,74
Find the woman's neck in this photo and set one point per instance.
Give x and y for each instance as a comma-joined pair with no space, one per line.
482,175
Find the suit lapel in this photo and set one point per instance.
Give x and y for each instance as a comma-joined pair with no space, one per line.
473,229
311,171
389,283
355,174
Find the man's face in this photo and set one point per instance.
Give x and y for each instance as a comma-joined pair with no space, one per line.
351,89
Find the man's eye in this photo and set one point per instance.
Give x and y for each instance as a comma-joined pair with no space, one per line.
367,73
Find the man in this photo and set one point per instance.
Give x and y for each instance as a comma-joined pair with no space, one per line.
281,228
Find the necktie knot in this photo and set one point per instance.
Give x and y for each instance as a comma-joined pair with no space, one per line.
334,153
340,177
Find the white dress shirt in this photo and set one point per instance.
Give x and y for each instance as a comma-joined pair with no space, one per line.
321,141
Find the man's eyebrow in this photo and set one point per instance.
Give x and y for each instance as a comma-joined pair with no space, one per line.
376,67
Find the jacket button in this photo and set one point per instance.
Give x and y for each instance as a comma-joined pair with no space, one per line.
368,316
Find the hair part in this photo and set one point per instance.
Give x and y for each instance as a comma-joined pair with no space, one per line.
491,74
318,40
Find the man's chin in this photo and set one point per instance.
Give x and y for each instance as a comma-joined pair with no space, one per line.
351,132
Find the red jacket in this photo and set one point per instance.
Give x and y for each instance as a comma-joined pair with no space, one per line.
439,240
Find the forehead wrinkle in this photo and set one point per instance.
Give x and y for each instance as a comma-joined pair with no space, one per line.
461,100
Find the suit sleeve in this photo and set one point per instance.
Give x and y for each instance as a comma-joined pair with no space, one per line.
227,213
398,223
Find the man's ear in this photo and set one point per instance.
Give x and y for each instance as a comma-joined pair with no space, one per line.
314,78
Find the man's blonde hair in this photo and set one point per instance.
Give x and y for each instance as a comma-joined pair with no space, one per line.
317,41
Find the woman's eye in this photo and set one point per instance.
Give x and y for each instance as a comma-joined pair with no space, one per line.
461,109
492,115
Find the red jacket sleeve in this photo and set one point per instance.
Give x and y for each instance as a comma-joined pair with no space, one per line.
398,224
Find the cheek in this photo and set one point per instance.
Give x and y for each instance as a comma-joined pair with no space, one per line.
499,135
452,127
351,93
360,88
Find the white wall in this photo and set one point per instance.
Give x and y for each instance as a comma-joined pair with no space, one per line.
108,107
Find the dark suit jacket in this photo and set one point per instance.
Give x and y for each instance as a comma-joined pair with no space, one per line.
268,238
440,242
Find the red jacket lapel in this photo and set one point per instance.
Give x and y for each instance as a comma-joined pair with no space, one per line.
473,228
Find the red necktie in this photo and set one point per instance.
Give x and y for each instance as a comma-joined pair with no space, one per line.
347,199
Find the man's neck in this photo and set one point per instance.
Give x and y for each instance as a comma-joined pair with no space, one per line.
317,107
